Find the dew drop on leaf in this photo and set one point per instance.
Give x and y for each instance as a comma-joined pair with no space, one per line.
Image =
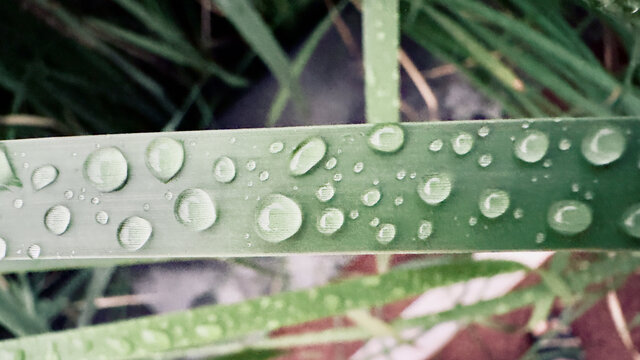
276,147
224,170
307,155
564,144
425,229
34,251
540,237
531,146
57,219
358,167
485,160
106,169
133,233
251,165
434,188
462,143
630,221
386,138
370,197
18,203
603,145
353,214
195,209
493,203
164,158
331,163
569,217
435,145
209,331
43,176
68,194
483,131
102,217
386,233
277,218
264,176
325,192
330,221
374,222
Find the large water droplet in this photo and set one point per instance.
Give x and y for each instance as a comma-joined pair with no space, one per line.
102,217
7,176
307,155
106,169
134,232
3,248
603,145
330,221
493,202
386,233
224,170
435,188
164,158
386,138
569,217
462,143
371,197
325,192
277,218
532,146
425,229
57,219
33,251
631,220
43,176
195,209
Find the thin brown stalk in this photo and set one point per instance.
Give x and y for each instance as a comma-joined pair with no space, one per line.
621,325
421,84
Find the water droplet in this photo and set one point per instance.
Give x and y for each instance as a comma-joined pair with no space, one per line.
164,158
630,221
603,145
95,201
386,233
146,206
156,339
337,177
81,197
493,202
483,131
277,218
569,217
462,143
106,169
224,170
307,155
518,213
119,346
276,147
168,195
374,222
435,145
588,195
251,165
354,214
547,163
33,251
264,175
564,144
195,209
532,146
401,174
435,188
473,221
43,176
17,203
425,229
386,138
371,197
68,194
331,163
398,201
575,187
358,167
413,175
330,221
134,232
3,248
485,160
325,192
57,219
540,237
209,331
102,217
534,179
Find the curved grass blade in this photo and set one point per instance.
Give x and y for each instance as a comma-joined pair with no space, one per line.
144,337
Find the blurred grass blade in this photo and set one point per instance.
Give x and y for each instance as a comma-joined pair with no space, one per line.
144,337
14,317
381,36
99,281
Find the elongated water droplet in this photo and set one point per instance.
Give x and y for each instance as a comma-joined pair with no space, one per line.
493,202
276,147
386,233
68,194
164,158
358,167
7,175
156,339
435,188
631,220
43,176
603,145
3,248
569,217
371,197
57,219
374,222
331,163
224,170
531,146
485,160
34,251
425,229
435,145
134,232
483,131
264,176
353,214
307,155
106,169
462,143
325,192
277,218
387,138
564,144
330,221
102,217
195,209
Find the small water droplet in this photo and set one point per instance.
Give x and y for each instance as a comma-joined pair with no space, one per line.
401,174
134,232
337,177
156,339
33,251
603,145
17,203
375,181
398,201
81,197
435,188
119,346
43,176
462,143
307,155
575,187
631,221
483,131
547,163
569,217
493,203
353,214
276,147
95,201
331,163
264,175
374,222
277,218
413,175
251,165
564,144
224,170
588,195
485,160
534,179
68,194
436,145
358,167
518,213
371,197
386,233
531,146
425,229
195,209
106,169
325,192
540,237
3,248
168,195
232,140
209,331
57,219
164,158
473,221
387,138
102,217
330,221
146,207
